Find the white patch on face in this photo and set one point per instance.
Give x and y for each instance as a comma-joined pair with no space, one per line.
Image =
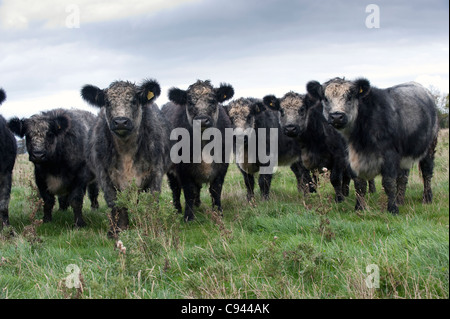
239,113
291,104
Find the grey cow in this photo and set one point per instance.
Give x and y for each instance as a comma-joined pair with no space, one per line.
250,118
387,130
56,141
8,149
128,143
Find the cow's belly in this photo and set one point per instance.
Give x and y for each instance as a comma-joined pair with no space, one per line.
365,166
56,185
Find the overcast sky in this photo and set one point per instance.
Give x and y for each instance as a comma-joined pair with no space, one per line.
50,49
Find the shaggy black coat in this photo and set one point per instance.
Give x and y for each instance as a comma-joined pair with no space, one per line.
8,150
56,141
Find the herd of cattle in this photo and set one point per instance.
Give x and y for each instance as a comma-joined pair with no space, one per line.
354,130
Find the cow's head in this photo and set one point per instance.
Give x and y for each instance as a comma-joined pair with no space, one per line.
340,99
123,102
293,110
243,114
41,132
201,101
2,96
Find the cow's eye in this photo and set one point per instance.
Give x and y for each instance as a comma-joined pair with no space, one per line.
302,111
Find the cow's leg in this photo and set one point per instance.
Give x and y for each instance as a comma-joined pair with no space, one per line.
189,189
389,173
346,179
5,193
426,166
303,176
197,200
360,189
63,201
402,181
264,182
93,194
249,181
49,199
372,187
215,189
175,186
76,202
336,181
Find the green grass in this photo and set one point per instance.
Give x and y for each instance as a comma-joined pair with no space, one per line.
288,247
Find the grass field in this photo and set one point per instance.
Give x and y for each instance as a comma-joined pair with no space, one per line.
288,247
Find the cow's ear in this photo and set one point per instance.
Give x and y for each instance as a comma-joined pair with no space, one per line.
93,95
309,100
2,96
272,102
224,92
17,126
315,89
258,108
59,125
362,87
178,96
149,91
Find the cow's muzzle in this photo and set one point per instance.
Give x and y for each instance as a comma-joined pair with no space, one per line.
338,119
291,130
38,156
121,126
205,121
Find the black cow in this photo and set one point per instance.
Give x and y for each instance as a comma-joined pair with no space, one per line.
56,141
386,130
129,142
321,145
8,150
198,107
250,119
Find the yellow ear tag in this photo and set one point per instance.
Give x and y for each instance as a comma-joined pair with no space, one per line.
271,104
150,95
360,90
224,96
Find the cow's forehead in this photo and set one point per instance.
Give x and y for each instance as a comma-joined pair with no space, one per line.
37,125
120,90
291,101
200,89
337,89
239,108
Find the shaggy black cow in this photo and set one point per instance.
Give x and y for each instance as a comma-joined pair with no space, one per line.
386,130
250,118
8,150
129,143
192,112
321,145
56,141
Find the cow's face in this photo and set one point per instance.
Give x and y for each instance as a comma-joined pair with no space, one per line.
41,135
201,101
340,100
123,103
242,113
293,115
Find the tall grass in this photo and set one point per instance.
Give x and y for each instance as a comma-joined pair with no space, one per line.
291,246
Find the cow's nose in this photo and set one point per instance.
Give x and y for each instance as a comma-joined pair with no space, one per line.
39,155
338,118
121,122
205,121
291,130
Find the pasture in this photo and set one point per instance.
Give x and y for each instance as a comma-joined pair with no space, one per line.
290,246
